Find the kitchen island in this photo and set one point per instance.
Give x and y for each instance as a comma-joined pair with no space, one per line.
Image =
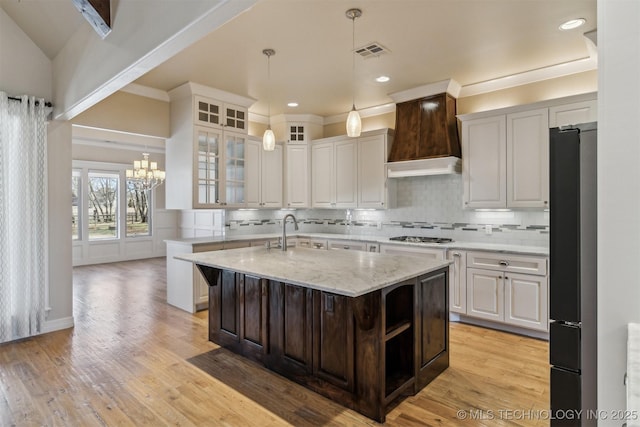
360,328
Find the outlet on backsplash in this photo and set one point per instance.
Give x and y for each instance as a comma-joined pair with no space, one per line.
488,230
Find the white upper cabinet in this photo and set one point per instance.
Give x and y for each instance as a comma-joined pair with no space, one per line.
205,156
574,113
484,165
214,113
350,172
346,173
263,187
298,177
528,159
505,157
372,179
334,178
322,175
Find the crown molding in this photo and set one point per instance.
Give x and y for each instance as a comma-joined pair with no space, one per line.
532,76
190,88
376,110
449,86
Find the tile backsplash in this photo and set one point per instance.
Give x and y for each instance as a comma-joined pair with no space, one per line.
425,206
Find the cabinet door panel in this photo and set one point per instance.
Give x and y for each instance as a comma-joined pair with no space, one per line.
297,180
252,310
229,303
333,347
434,316
528,159
253,173
484,162
271,177
371,173
322,175
485,294
458,282
294,317
346,169
290,329
526,301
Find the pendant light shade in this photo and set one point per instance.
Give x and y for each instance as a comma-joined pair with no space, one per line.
269,139
354,124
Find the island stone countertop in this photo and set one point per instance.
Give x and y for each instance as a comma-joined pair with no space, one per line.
348,273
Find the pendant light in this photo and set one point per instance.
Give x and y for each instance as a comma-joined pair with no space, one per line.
269,139
354,124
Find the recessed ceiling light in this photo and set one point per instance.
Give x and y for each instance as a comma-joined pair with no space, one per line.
292,104
572,23
383,79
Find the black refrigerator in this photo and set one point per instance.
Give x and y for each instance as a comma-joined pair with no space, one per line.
573,275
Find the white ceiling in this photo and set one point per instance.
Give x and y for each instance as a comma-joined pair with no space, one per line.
470,41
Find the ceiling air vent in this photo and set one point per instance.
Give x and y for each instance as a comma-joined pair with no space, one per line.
371,49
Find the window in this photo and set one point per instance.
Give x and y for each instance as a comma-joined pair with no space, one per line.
102,216
107,206
76,204
137,211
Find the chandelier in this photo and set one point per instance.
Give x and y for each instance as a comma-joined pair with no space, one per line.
145,175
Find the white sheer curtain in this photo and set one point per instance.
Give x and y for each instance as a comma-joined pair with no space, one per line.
23,217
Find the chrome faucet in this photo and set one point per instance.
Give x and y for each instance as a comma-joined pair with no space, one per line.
284,229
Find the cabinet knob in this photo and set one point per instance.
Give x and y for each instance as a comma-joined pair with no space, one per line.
546,202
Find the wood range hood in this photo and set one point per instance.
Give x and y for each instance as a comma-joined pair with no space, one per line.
426,135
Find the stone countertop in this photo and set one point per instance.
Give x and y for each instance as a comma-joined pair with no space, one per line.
475,246
348,273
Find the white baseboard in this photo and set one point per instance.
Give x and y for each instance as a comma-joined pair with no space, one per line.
57,324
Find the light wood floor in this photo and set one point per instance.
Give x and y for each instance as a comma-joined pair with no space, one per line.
134,360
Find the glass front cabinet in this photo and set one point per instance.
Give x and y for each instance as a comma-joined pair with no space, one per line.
220,168
205,156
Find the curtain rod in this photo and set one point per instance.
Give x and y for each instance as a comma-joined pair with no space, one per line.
46,104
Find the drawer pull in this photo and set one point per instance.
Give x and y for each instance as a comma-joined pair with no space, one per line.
456,254
504,263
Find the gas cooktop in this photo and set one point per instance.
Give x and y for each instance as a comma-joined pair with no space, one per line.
418,239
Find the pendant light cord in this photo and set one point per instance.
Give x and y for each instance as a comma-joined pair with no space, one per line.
269,53
353,61
269,91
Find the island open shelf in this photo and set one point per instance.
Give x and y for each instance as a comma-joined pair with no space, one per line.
364,350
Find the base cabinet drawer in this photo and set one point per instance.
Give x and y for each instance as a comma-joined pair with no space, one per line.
508,262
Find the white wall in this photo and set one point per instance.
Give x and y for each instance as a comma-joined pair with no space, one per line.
59,179
618,194
24,69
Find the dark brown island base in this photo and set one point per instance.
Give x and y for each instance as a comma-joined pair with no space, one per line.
363,351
